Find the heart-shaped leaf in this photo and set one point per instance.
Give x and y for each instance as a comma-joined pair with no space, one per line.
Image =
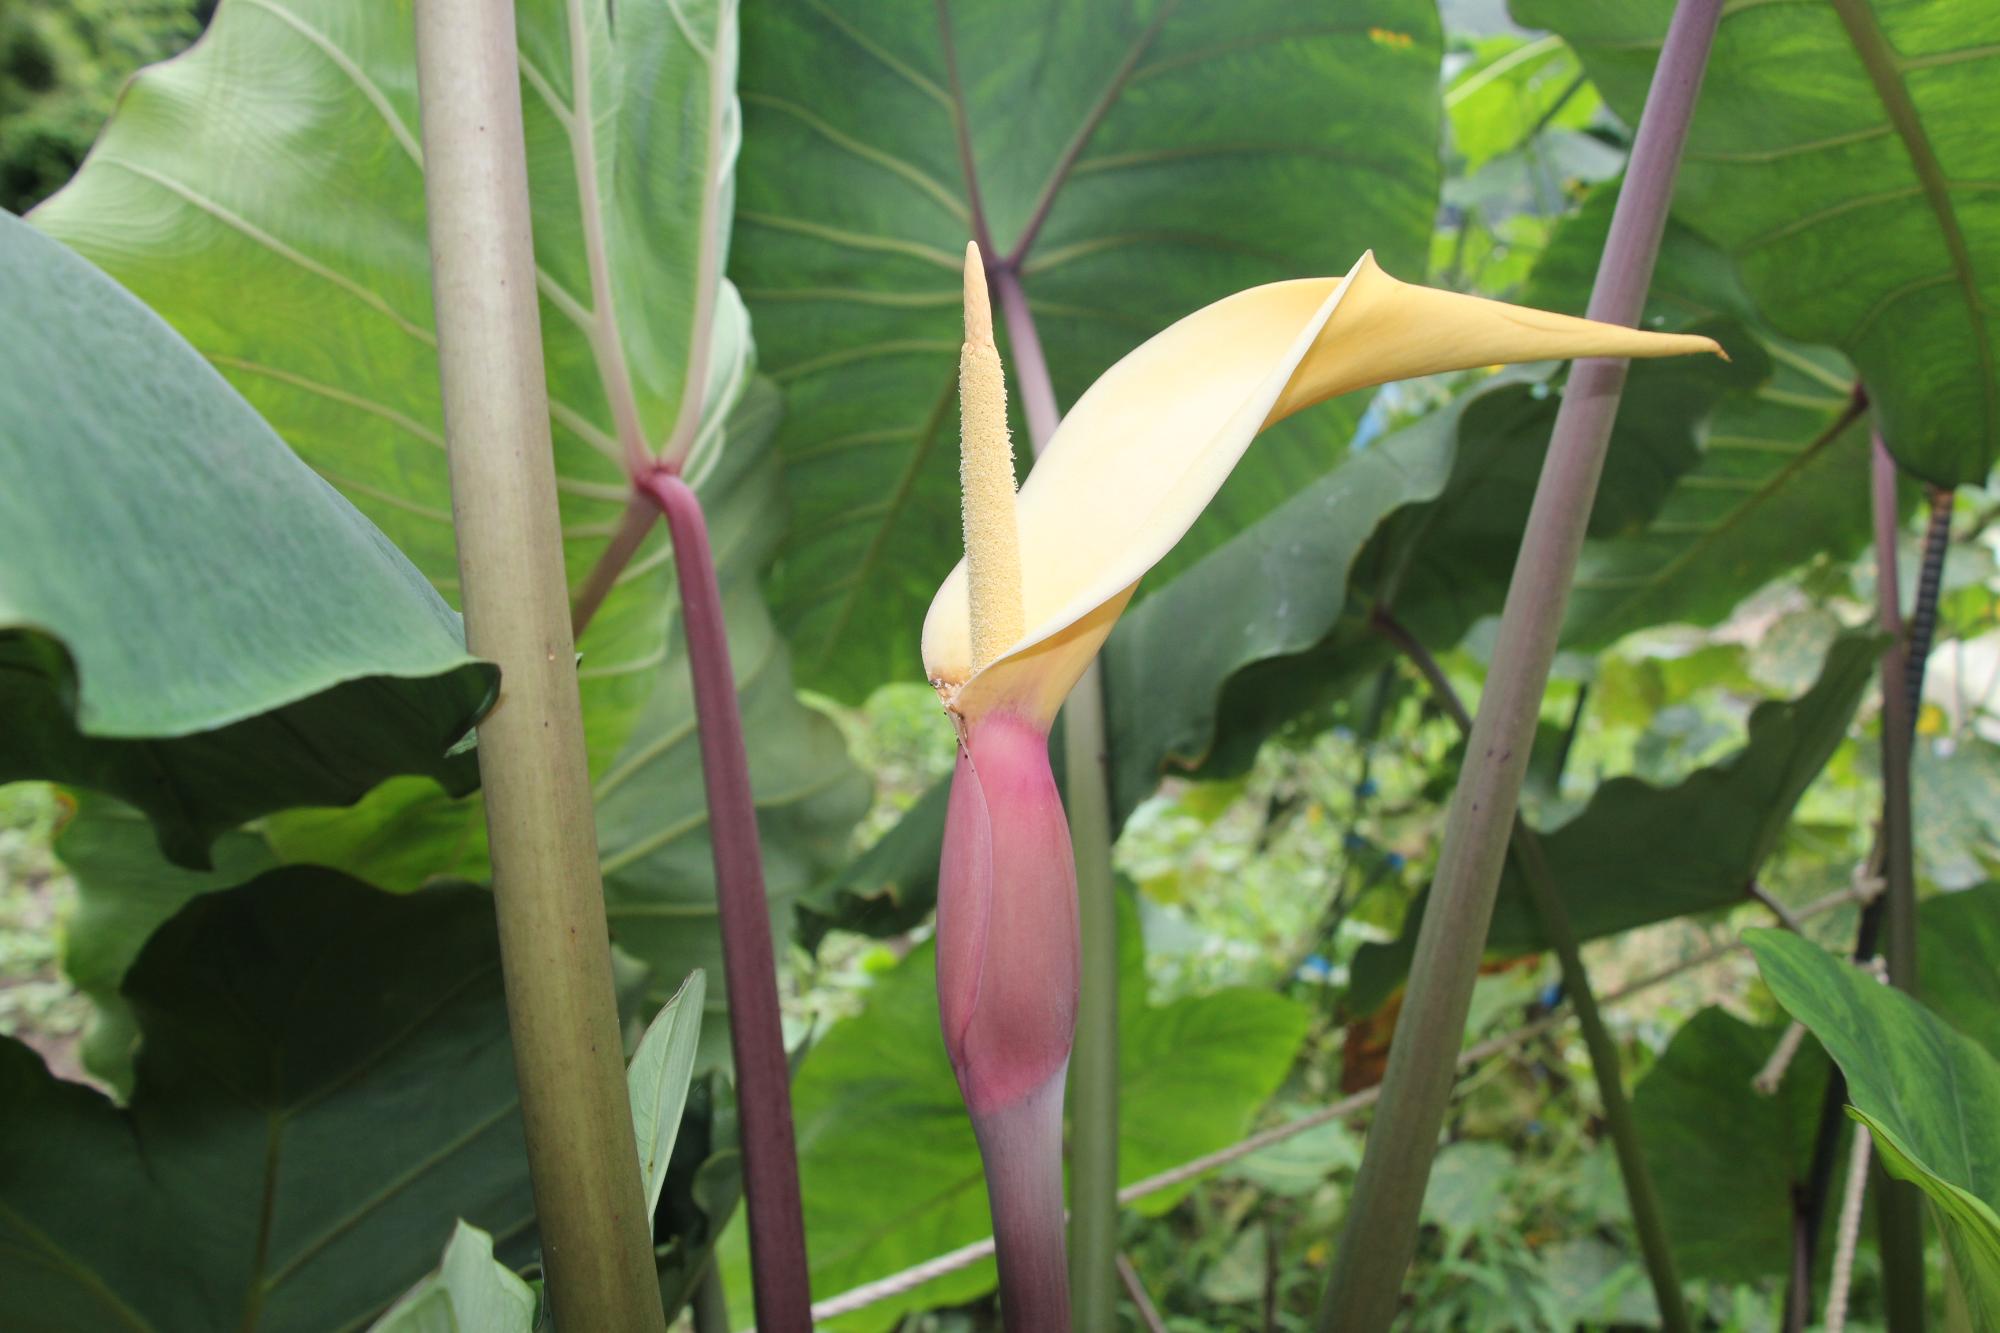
189,619
1135,161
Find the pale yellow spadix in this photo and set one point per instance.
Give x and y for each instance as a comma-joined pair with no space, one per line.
986,480
1143,451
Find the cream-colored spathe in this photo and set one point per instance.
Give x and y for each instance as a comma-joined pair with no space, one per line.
1142,453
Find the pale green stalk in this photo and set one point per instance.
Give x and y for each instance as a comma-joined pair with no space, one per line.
555,950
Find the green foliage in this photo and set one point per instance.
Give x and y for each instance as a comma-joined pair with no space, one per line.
1513,89
198,626
1638,854
1184,152
658,1077
891,1170
1833,157
61,64
288,1140
1929,1094
280,227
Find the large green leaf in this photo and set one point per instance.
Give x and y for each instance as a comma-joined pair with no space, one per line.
1182,150
189,619
1710,1136
1928,1093
265,193
886,1154
1837,154
1781,477
1639,853
326,1084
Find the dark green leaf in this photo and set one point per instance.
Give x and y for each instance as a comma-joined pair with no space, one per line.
1958,944
1929,1094
1835,157
189,619
1184,151
1709,1136
324,1086
1639,853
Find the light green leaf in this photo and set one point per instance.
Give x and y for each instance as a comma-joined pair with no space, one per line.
1513,88
325,1076
1182,151
891,1171
189,619
265,194
469,1292
1639,853
1831,157
1929,1094
657,1080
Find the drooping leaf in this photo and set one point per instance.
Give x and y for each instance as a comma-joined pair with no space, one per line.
657,1080
189,619
889,1165
1710,1136
469,1292
1177,152
1639,853
265,193
1781,477
124,892
1928,1093
1832,157
325,1085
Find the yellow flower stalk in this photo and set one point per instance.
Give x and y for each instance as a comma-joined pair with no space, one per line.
1046,575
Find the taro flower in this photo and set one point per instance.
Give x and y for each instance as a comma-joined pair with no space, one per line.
1046,574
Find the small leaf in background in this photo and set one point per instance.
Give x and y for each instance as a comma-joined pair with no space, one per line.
658,1077
1929,1094
470,1292
1830,157
1514,87
200,627
325,1081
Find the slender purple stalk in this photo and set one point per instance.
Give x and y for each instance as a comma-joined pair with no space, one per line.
1379,1236
1031,367
756,1034
1021,1145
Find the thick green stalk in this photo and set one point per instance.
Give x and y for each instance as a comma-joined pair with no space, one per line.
1379,1236
1093,1068
554,945
1647,1220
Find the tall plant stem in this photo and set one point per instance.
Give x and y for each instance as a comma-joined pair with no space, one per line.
1379,1235
1093,1144
1540,881
554,945
749,961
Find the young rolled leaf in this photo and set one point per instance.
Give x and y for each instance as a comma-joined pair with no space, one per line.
658,1078
190,620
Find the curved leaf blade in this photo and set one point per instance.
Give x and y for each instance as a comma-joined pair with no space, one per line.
189,619
657,1080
